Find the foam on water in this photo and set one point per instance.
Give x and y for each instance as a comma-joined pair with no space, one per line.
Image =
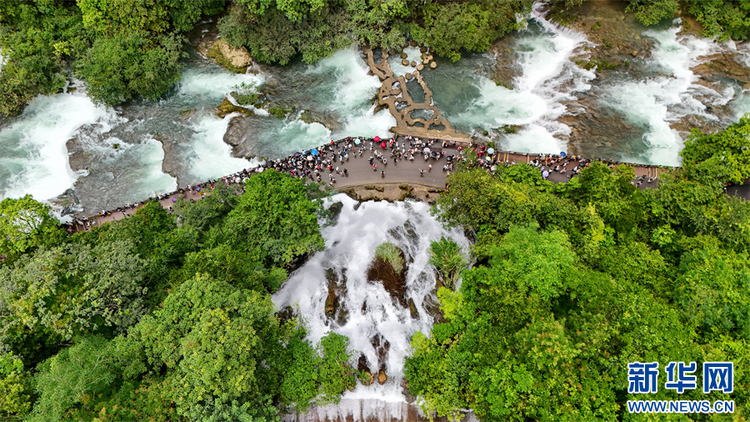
353,89
212,83
154,180
210,157
300,135
656,102
350,248
33,155
413,55
548,78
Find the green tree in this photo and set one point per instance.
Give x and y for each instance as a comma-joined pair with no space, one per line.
37,38
651,12
724,156
274,220
119,68
73,377
722,19
468,26
446,257
209,340
335,373
25,225
15,388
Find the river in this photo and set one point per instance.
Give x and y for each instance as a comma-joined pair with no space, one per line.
105,157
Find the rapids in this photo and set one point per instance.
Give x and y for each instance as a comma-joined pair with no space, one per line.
101,158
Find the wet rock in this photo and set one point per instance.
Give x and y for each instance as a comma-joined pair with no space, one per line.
335,210
226,107
235,59
724,65
405,62
394,281
285,314
237,136
423,49
413,309
382,377
409,76
328,119
413,63
76,156
413,43
404,55
332,302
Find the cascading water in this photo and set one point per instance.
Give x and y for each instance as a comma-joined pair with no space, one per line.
367,313
666,96
33,156
548,78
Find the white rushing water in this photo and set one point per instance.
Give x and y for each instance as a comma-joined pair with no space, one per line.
352,90
372,312
33,155
548,78
654,103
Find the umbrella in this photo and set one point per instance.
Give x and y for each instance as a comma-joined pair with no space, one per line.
563,154
314,152
198,189
491,151
426,150
376,139
174,199
357,142
296,154
383,145
545,174
309,158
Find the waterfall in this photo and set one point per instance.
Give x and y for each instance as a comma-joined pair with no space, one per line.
379,327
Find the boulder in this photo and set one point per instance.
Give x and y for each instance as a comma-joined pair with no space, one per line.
233,58
382,377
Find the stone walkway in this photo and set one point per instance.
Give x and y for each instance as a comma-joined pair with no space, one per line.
394,94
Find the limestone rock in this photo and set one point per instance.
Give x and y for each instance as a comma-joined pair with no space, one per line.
433,65
420,66
382,377
235,59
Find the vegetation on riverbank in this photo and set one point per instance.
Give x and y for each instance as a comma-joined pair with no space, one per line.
163,317
574,281
135,48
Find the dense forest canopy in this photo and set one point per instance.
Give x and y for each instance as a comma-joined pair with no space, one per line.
163,316
127,49
572,282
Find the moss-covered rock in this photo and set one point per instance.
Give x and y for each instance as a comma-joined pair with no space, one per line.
281,111
226,107
389,267
233,59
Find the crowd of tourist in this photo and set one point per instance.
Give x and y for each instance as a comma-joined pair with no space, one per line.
329,162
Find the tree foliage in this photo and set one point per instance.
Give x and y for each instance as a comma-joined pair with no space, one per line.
164,316
562,298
